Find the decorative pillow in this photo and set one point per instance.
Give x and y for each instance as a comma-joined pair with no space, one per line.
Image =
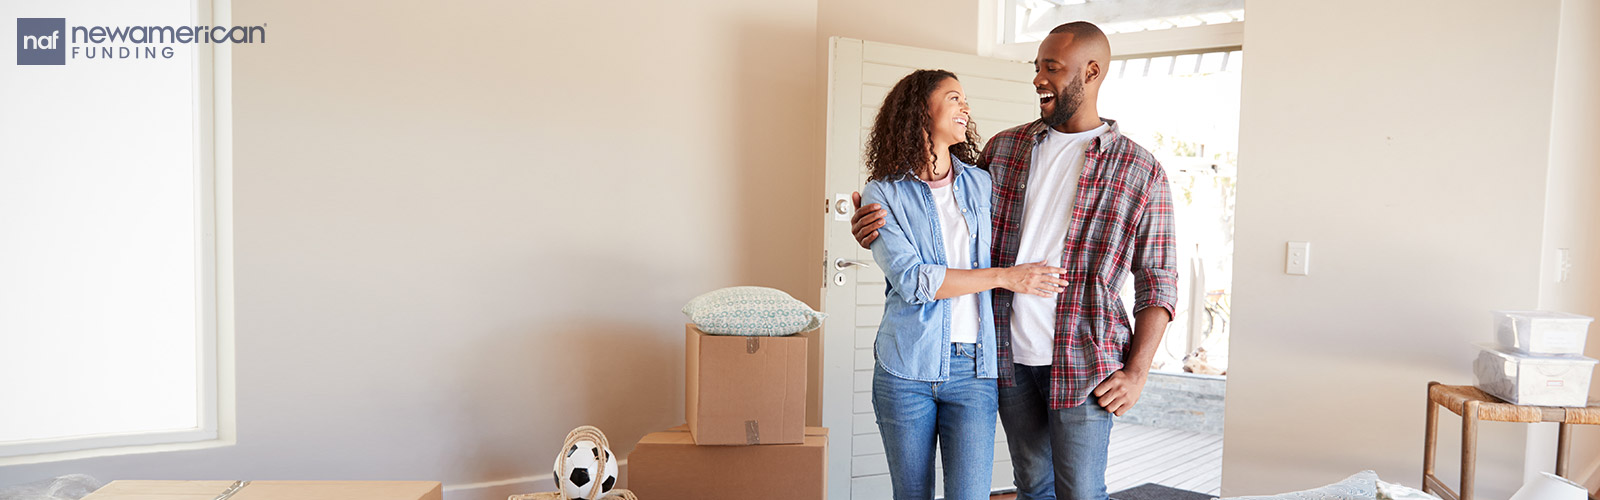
1392,491
1362,486
752,311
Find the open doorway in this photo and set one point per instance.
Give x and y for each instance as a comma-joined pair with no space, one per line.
1184,108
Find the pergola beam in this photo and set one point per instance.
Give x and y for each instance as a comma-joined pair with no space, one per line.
1122,11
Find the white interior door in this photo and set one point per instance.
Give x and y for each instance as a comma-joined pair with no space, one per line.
859,75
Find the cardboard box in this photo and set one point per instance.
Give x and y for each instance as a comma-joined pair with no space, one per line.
668,465
269,490
744,390
813,377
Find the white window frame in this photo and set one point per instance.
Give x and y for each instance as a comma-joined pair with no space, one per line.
213,153
997,20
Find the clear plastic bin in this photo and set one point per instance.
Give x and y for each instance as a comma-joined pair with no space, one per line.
1542,332
1534,380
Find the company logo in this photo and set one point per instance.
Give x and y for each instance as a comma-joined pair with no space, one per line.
49,41
41,41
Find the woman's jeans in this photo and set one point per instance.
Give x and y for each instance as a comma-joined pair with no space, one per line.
958,414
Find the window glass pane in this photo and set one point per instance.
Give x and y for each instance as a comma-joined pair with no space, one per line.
98,205
1211,62
1185,64
1135,68
1159,66
1035,18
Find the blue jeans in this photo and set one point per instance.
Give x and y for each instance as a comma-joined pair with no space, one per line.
1055,454
958,414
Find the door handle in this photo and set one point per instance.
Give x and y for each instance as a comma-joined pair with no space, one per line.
840,264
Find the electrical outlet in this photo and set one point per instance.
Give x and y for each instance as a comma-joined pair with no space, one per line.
1297,261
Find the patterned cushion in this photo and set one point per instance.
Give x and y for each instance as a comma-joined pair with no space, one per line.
1362,486
751,311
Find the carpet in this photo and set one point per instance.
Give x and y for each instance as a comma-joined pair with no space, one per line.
1152,491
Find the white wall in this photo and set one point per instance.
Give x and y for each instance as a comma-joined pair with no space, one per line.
464,228
1408,143
948,25
1572,211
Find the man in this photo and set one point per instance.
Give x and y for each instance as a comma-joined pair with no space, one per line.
1071,191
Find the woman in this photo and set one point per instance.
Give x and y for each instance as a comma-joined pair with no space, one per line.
934,379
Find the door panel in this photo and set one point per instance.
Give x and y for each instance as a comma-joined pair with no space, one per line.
860,74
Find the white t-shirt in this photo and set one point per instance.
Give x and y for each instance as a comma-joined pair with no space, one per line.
1046,215
958,255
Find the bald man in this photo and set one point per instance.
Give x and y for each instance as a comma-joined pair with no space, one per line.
1072,192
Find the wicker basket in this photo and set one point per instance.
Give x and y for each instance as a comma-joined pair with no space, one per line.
579,434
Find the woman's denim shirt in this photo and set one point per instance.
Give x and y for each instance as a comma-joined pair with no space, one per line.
914,337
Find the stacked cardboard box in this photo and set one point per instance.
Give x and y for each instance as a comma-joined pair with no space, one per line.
268,490
745,404
1538,360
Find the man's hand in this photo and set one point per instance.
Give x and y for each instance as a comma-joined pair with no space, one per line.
866,221
1120,391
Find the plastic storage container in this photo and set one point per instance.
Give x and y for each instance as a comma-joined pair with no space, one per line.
1542,332
1534,380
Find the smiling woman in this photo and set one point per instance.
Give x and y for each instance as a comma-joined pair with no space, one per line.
900,143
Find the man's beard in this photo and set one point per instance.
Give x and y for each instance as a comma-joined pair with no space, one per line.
1067,104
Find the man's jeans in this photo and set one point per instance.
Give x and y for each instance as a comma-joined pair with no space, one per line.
959,414
1055,454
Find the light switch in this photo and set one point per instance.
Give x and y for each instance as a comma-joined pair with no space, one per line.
1298,259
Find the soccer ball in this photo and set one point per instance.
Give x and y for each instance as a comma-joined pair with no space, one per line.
583,469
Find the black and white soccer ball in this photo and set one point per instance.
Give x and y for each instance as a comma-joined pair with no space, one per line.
577,479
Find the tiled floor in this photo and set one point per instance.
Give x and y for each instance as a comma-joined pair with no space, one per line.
1179,459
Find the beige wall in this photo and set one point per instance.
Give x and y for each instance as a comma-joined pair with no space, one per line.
464,228
1572,211
948,25
1407,142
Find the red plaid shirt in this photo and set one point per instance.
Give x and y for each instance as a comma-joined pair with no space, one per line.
1121,223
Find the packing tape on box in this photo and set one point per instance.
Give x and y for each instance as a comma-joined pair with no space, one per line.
752,432
233,488
751,345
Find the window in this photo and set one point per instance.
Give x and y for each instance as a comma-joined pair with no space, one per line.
1135,27
109,211
1031,20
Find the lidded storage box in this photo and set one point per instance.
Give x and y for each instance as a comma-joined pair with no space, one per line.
1534,380
1542,332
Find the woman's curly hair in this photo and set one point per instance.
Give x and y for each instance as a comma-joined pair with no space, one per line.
898,146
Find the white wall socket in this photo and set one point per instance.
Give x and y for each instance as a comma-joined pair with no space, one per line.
1297,261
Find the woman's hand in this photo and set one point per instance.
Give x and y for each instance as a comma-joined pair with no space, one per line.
1033,279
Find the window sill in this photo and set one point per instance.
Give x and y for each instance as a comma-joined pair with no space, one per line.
105,446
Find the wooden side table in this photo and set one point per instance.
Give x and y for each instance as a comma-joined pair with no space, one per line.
1473,406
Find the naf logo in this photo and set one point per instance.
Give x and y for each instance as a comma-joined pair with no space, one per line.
41,41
